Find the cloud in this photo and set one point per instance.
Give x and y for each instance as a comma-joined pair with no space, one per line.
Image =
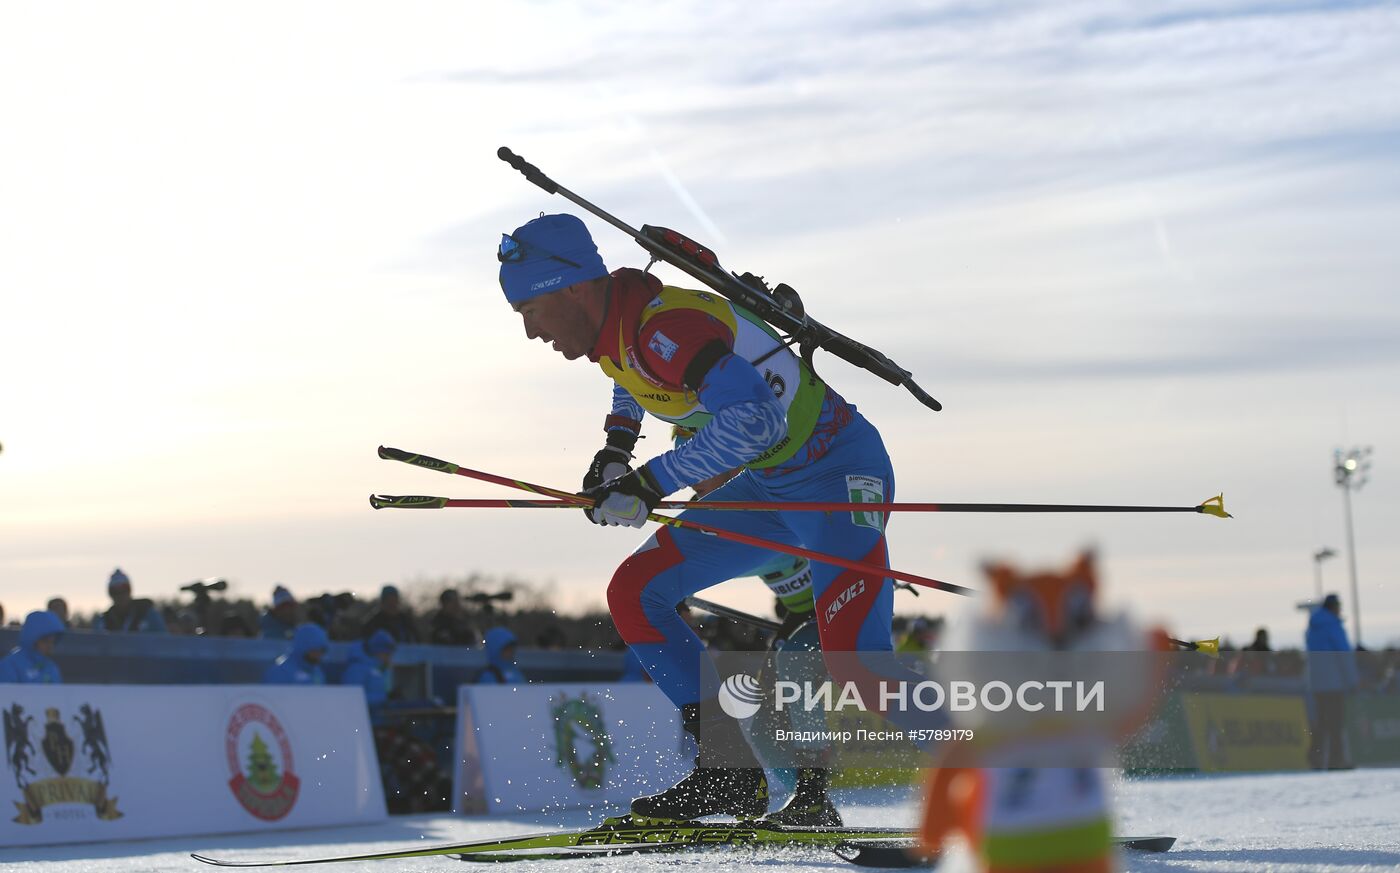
1214,14
1239,353
905,108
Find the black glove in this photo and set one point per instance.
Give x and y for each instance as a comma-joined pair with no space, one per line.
624,501
610,463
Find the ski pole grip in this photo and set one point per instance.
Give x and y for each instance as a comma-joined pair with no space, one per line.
528,170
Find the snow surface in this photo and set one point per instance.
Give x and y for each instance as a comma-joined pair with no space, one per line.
1340,821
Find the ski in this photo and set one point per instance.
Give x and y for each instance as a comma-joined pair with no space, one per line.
628,835
888,854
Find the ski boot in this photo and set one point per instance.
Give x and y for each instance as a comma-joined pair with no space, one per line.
727,779
810,805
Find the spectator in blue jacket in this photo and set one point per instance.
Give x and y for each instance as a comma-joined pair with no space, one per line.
1332,674
500,659
302,665
32,659
370,667
127,615
279,622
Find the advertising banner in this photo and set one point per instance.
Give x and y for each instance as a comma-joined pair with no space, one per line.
1248,731
85,763
1375,729
530,748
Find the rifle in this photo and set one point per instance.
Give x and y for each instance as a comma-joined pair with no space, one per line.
781,307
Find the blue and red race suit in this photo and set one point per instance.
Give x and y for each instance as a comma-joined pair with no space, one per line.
697,360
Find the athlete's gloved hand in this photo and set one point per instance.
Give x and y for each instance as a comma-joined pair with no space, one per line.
627,500
610,463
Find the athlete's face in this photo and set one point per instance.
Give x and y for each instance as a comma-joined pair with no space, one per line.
562,320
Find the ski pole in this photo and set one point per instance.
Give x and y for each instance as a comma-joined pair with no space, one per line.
1209,647
430,463
1214,506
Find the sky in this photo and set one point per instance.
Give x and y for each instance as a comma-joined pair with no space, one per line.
1140,254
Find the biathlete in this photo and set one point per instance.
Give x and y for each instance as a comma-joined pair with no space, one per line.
695,359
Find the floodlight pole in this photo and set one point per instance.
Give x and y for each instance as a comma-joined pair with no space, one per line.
1351,565
1346,467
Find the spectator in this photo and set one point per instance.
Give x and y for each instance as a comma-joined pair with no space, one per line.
450,626
233,625
1254,660
183,622
125,614
500,659
59,607
390,616
279,621
302,665
1332,674
551,638
32,660
370,668
337,613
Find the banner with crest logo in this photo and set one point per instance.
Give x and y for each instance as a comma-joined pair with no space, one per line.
85,763
573,745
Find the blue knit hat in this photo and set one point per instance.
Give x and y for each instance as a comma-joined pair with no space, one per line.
549,253
117,579
380,641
